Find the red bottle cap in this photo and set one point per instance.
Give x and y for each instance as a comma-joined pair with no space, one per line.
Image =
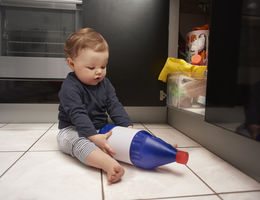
196,59
182,157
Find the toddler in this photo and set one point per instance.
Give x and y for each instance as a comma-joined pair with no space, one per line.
86,96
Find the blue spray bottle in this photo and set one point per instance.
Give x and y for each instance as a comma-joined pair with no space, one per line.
140,148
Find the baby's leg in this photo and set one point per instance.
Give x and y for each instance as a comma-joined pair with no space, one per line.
101,160
70,143
88,153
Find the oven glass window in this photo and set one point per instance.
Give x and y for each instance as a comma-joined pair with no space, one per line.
37,32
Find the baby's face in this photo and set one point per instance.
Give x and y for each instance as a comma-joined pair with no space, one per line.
89,66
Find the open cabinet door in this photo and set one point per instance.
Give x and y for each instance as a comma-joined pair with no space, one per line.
137,33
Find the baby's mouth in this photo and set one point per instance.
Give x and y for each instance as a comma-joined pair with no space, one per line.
98,78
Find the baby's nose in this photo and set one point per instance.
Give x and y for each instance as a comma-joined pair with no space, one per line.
98,71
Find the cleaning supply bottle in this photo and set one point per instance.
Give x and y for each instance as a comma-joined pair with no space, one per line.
196,59
140,148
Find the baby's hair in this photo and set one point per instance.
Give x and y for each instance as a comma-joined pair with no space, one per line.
83,39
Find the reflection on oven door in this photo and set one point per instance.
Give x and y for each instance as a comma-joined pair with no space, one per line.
33,35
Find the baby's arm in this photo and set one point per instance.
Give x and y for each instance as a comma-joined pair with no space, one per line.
115,109
101,141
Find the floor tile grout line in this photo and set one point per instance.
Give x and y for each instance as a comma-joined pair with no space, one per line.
38,151
4,125
178,146
239,192
11,151
12,165
181,133
40,137
170,127
190,147
189,137
149,130
102,185
26,151
44,150
203,182
177,197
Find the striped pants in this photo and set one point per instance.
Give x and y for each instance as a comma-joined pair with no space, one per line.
70,143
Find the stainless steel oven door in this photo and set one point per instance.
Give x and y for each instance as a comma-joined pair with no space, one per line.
32,37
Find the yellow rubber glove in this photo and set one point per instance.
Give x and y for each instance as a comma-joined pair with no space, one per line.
174,65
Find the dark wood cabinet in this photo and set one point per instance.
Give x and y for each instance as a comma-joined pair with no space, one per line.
137,33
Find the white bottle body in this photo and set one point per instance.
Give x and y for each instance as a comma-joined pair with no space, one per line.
120,141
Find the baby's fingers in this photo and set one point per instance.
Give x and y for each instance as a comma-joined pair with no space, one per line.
109,150
108,134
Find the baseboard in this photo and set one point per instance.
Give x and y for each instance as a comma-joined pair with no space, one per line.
40,113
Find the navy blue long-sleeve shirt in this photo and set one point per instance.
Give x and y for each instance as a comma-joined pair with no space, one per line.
86,106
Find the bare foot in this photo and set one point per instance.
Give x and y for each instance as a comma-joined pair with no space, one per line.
115,174
175,146
101,160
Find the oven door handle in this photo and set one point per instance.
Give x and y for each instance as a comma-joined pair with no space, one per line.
51,4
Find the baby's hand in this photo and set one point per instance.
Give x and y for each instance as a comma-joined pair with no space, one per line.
101,141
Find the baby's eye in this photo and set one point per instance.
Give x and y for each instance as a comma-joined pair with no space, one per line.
103,67
91,68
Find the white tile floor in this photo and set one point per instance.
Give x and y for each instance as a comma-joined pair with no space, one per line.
32,167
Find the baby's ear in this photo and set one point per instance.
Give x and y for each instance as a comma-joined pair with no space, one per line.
70,63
